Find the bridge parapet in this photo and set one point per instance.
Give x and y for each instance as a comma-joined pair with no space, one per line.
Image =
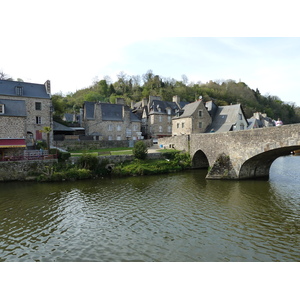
239,154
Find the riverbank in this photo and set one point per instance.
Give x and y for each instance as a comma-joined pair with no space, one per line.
88,166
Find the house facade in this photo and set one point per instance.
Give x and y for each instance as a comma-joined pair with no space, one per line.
25,108
106,121
194,119
156,115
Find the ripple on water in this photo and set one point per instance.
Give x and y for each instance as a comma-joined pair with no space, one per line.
176,217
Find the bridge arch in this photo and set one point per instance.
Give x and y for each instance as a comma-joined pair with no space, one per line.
259,165
200,160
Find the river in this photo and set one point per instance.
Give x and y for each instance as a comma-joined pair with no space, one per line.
179,217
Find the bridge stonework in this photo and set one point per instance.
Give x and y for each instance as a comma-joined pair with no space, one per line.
238,154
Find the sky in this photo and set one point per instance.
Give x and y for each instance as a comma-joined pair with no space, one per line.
73,43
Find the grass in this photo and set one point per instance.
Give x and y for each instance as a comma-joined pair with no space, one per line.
96,152
113,151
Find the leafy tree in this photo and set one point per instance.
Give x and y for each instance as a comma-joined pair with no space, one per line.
140,150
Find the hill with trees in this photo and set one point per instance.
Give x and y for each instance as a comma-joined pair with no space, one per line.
136,87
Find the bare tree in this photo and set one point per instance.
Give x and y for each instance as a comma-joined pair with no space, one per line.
4,76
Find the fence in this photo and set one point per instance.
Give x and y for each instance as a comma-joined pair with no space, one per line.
30,155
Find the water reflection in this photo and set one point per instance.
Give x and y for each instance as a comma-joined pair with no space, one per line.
175,217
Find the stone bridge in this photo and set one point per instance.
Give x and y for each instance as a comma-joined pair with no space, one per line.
238,154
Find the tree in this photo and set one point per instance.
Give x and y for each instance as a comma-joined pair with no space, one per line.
140,150
47,130
4,76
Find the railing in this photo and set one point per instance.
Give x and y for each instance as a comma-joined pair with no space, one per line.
28,157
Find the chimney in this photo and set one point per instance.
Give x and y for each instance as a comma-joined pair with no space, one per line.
120,101
48,87
144,102
176,99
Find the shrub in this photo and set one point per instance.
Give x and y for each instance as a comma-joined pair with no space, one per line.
88,161
140,150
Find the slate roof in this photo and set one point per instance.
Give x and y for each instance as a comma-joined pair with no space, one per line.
225,118
189,109
34,90
110,112
163,105
14,108
61,127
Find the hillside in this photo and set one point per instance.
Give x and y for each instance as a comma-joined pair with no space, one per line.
134,88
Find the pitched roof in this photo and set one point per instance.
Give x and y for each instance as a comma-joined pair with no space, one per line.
110,112
60,127
189,109
225,118
33,90
160,106
14,108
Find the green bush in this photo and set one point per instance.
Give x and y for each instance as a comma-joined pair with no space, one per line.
88,161
140,150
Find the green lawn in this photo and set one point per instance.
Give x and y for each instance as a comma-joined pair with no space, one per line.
113,151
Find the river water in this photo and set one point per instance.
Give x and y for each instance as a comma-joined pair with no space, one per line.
173,217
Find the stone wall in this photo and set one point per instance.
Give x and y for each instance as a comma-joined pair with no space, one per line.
70,145
176,142
23,170
12,127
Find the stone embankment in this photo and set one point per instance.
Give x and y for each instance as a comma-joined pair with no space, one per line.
23,170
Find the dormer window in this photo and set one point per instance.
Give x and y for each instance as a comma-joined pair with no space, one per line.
2,109
19,90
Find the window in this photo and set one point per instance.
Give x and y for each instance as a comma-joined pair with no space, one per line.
200,113
2,109
19,90
169,128
159,118
118,138
182,125
38,120
169,119
177,125
242,127
38,106
168,110
119,127
160,129
110,127
240,116
135,127
200,124
110,137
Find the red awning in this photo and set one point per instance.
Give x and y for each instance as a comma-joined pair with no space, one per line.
12,143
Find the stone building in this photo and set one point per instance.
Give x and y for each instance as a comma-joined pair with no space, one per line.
226,118
194,119
106,121
25,109
156,115
259,120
